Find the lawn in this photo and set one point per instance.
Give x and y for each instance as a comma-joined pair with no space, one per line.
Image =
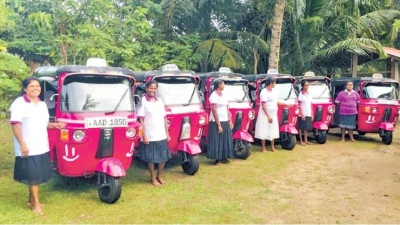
223,194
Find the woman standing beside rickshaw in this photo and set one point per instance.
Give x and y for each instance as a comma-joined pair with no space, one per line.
305,123
348,100
154,147
220,143
267,125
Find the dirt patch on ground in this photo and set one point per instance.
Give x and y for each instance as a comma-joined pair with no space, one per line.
337,183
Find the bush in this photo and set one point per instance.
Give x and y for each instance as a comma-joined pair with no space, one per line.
12,71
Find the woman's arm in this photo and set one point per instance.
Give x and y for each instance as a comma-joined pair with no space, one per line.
55,125
145,140
215,114
166,128
18,135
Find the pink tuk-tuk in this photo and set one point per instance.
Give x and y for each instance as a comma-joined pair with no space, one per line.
322,104
102,130
287,116
379,107
240,107
185,113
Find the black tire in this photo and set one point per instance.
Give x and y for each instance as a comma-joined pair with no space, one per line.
241,149
321,138
288,141
109,188
387,138
191,166
361,133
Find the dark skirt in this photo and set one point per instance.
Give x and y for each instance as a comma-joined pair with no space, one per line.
220,146
33,170
306,124
347,121
154,152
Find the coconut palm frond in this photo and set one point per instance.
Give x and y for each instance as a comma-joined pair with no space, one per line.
394,32
378,21
245,40
175,12
359,46
220,53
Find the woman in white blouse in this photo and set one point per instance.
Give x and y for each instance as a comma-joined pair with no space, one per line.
305,102
267,125
220,143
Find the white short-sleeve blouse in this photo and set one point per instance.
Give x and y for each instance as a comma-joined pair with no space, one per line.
154,114
34,119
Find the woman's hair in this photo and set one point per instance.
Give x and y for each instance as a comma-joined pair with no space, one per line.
269,81
303,82
25,83
216,83
150,82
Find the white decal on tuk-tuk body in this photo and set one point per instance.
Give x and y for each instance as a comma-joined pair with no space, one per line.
371,119
328,119
67,156
198,137
131,151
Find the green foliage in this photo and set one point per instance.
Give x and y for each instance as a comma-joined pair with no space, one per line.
12,71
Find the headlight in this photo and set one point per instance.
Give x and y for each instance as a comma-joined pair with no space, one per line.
202,120
251,115
331,109
168,123
78,135
374,110
297,111
130,132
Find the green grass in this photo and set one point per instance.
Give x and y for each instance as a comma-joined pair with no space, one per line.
233,193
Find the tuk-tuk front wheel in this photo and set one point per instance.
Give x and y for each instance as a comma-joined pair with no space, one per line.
288,141
241,149
321,137
109,188
190,163
387,137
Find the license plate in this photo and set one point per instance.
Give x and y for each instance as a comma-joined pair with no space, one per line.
100,122
387,102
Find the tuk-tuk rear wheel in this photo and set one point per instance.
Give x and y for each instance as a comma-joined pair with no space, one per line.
288,141
387,138
321,137
191,166
109,188
241,149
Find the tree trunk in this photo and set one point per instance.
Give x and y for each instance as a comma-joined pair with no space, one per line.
273,62
256,58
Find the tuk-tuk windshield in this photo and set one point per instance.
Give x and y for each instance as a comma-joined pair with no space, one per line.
319,90
236,91
81,93
381,91
178,90
284,89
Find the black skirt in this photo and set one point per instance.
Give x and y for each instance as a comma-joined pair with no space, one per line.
220,146
306,124
154,152
347,121
33,170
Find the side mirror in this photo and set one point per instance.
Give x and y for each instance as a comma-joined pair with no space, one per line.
49,99
201,94
138,96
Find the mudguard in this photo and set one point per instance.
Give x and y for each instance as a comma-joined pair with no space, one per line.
189,146
290,129
111,166
386,126
320,126
243,135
